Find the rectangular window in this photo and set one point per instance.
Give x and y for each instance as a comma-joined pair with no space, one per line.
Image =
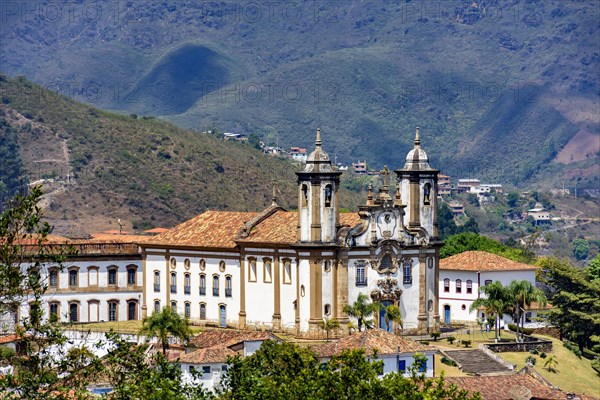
73,312
401,365
423,367
156,306
112,276
287,272
173,282
458,286
188,310
228,286
202,284
215,285
206,369
187,285
54,309
72,278
268,278
252,270
54,278
112,311
156,281
131,276
469,287
488,281
224,368
361,277
202,311
407,268
446,285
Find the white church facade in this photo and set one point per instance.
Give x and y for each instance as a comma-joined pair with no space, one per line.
287,270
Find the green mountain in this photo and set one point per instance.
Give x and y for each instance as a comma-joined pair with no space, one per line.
505,90
100,167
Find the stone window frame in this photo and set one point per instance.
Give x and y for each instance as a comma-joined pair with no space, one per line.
469,286
54,303
156,282
187,309
89,308
202,284
173,282
327,265
287,271
327,309
252,271
109,270
328,199
446,285
137,311
54,270
304,195
116,303
76,270
267,272
134,268
77,304
91,270
202,311
156,302
216,288
228,286
173,305
360,265
458,286
187,283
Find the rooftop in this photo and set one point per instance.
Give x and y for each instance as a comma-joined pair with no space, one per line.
209,355
227,337
482,261
372,340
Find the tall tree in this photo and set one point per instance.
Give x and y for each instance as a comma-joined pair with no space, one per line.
524,293
363,310
497,301
393,314
164,324
576,309
329,324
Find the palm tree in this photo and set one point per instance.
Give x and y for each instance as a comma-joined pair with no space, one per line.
551,364
164,324
362,309
329,324
497,302
393,314
523,293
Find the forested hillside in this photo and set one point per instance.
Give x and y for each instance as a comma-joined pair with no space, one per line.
505,90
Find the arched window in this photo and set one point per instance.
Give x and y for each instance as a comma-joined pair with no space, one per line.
469,286
53,278
252,270
487,282
174,305
73,312
287,271
427,193
156,306
73,278
187,283
215,285
407,272
304,196
446,285
327,309
131,275
327,266
458,286
202,311
173,282
228,289
328,195
188,309
202,284
156,281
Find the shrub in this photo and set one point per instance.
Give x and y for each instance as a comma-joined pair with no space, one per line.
596,365
425,342
450,339
543,355
534,351
448,361
435,335
526,331
530,360
573,348
466,343
6,353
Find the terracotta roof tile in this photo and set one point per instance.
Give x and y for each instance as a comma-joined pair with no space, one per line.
115,238
209,229
371,340
8,339
482,261
506,387
227,337
215,354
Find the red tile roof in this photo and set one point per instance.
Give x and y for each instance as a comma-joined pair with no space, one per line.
8,339
371,340
482,261
506,387
210,355
227,337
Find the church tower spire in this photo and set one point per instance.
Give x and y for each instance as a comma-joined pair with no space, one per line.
318,186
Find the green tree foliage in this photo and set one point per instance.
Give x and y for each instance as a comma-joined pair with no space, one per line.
287,371
254,141
523,293
593,270
575,299
328,325
497,302
393,314
362,309
164,324
469,241
446,224
10,162
581,248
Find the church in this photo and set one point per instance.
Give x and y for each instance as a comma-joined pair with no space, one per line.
288,270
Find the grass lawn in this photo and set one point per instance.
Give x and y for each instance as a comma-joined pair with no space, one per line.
573,374
476,337
446,369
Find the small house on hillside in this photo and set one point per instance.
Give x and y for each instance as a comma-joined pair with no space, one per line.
396,352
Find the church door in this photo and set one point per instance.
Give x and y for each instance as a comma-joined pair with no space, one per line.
382,323
447,314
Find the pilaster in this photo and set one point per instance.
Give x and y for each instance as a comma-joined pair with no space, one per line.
242,313
277,293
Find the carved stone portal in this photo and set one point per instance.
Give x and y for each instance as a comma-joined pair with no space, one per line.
388,290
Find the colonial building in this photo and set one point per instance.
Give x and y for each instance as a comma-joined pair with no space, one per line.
287,270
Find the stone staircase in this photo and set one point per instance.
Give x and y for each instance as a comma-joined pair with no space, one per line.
476,362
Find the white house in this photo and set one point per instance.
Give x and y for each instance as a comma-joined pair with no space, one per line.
462,275
207,362
397,353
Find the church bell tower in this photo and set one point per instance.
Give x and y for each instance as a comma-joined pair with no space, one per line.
318,207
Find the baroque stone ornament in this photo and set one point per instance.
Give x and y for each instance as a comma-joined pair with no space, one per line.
386,263
387,290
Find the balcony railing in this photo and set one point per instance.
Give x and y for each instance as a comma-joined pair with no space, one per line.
215,291
228,292
173,289
187,290
361,281
157,287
